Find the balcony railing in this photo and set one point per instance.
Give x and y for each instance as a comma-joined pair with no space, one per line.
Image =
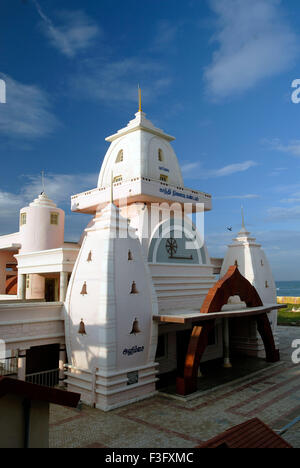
45,379
8,367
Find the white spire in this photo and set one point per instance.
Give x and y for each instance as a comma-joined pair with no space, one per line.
243,232
243,218
43,181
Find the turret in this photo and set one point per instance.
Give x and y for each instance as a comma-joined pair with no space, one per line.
41,225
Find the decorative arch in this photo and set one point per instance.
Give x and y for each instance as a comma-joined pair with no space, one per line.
232,284
12,286
183,231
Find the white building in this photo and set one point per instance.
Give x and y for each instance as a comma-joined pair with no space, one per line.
139,274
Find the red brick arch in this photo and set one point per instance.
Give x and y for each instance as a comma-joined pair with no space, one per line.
12,286
232,284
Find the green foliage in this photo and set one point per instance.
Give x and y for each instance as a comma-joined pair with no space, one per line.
287,317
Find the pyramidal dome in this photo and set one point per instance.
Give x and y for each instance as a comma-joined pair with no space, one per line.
140,150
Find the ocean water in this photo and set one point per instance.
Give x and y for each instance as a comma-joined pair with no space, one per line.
288,288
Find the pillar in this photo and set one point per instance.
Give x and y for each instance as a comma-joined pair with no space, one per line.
187,383
62,362
22,365
36,288
226,344
21,286
63,286
2,274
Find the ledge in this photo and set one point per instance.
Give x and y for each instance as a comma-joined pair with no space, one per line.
189,316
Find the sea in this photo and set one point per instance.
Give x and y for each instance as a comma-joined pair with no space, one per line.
288,288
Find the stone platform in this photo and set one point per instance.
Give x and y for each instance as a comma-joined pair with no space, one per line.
273,395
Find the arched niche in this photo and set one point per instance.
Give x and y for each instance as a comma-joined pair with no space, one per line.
177,241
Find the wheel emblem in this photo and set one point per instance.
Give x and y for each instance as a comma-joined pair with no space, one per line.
171,246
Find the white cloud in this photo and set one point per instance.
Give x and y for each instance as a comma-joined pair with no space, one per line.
249,196
27,112
292,193
114,82
9,203
277,171
282,249
254,42
166,33
190,167
292,148
292,200
281,214
234,168
59,187
75,33
196,171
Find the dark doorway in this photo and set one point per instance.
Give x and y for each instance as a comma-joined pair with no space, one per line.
42,358
42,365
50,290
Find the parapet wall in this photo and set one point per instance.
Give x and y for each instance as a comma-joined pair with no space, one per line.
288,300
24,324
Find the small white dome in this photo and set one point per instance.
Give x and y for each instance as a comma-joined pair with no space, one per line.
43,200
41,225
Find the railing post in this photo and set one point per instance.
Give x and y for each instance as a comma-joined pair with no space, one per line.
62,362
94,386
21,286
45,379
22,365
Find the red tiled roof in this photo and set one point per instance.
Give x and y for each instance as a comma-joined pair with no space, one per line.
37,392
251,434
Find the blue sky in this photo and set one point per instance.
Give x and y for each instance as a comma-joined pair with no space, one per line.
216,74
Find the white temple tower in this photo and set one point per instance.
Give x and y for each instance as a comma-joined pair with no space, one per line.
252,262
110,336
171,263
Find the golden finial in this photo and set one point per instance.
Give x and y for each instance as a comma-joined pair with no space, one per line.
243,217
140,99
